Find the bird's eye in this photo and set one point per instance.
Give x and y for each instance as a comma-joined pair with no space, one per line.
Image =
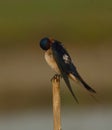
45,43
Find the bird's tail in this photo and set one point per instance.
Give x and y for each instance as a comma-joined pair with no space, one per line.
77,76
87,86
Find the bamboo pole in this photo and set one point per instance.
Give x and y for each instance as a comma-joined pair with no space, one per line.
56,102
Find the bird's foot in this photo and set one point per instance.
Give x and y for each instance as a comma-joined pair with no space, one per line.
56,77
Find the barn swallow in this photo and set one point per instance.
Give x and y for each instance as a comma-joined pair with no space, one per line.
58,59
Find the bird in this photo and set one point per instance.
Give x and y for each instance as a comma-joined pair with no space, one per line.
58,58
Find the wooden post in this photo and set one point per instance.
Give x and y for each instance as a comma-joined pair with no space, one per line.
56,102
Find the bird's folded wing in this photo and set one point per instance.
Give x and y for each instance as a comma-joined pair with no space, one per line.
58,53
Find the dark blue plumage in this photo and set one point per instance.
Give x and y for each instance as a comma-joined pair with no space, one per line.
61,64
59,59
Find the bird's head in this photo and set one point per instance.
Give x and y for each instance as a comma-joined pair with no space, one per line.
45,43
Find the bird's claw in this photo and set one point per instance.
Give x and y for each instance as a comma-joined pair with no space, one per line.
56,77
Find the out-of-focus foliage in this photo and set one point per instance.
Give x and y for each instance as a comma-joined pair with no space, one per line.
86,21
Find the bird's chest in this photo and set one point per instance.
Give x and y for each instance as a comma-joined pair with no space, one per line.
51,61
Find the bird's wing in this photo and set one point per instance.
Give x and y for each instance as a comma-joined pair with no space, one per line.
66,64
63,60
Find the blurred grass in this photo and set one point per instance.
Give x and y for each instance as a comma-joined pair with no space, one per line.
80,21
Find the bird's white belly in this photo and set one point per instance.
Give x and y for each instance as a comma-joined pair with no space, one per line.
50,60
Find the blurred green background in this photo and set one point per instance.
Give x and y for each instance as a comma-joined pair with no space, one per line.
85,28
